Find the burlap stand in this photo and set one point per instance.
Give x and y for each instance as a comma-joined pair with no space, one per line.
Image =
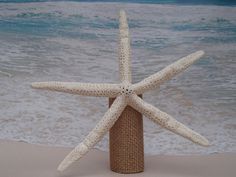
126,142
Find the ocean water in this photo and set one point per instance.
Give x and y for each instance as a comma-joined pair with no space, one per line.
77,41
176,2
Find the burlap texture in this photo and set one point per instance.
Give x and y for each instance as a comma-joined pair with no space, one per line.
126,142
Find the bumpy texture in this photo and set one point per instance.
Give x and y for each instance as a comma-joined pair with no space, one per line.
97,133
126,94
166,120
124,49
86,89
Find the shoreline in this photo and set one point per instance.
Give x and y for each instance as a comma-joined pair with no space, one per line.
26,160
122,3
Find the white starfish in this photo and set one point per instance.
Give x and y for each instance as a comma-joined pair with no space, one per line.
126,94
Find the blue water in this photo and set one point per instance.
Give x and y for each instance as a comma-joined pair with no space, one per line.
179,2
77,41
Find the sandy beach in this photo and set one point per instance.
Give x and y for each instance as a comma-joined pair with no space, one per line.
19,159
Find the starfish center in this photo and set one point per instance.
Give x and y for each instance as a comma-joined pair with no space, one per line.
126,90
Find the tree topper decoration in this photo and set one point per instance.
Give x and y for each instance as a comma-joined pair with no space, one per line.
125,93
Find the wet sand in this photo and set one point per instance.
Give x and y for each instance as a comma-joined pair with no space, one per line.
19,159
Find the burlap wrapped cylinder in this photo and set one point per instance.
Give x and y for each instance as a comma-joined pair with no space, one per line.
126,142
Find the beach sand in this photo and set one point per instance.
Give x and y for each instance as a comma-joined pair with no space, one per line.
19,159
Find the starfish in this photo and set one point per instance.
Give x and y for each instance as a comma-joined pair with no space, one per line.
125,93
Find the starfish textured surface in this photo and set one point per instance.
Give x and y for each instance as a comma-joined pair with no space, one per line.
125,93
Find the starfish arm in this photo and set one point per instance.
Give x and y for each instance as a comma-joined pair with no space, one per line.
166,121
96,134
124,49
87,89
167,73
